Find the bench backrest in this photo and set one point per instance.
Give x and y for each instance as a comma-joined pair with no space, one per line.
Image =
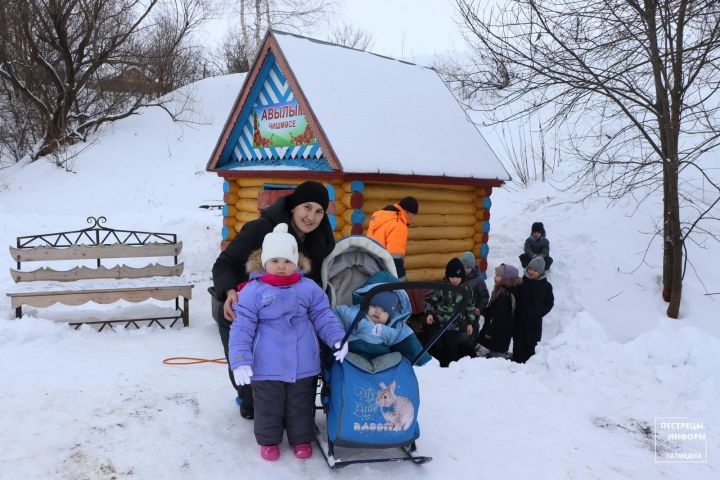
95,243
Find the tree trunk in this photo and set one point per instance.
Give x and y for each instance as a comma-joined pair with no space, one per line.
667,244
675,240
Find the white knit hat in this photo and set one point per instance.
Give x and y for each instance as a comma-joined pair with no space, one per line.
279,244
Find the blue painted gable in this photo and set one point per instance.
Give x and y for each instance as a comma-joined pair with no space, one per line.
270,88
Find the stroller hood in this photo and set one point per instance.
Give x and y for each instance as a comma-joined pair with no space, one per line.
351,263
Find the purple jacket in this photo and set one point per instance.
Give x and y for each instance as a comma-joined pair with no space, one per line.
276,329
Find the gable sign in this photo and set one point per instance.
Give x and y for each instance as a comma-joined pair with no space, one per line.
281,125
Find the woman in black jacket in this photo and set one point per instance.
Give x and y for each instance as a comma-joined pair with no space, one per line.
305,213
499,314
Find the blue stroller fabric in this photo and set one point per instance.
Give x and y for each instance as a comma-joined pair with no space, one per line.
374,403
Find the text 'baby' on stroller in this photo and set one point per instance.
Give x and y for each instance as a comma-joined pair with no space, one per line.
372,399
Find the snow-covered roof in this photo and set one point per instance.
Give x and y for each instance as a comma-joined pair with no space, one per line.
366,114
386,115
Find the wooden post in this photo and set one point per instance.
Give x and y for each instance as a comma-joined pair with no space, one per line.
186,312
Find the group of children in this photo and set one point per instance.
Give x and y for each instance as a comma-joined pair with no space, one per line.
514,311
280,314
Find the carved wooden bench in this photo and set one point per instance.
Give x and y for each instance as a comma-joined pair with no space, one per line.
46,286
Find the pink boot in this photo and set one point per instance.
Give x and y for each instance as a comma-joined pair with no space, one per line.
270,452
303,450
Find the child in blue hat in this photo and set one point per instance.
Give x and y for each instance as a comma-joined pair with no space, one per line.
383,329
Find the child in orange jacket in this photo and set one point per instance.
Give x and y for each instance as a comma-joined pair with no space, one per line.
389,227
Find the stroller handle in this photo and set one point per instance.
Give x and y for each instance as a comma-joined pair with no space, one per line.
465,294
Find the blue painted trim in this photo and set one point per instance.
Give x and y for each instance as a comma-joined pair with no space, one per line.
225,210
281,77
225,233
226,187
357,186
314,149
333,221
484,250
280,97
226,155
253,152
357,217
319,165
279,186
487,203
486,226
331,192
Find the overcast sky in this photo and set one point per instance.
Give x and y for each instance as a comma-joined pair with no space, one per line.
413,30
405,28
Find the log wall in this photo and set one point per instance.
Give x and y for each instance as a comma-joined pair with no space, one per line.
240,196
452,218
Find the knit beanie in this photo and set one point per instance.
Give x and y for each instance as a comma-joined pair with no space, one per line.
537,264
388,301
468,259
455,268
506,272
538,227
279,244
409,204
309,192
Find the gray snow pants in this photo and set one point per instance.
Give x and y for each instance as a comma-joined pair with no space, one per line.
284,406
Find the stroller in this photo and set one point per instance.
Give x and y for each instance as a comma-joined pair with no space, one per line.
371,403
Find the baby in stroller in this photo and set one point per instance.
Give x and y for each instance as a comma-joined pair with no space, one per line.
383,329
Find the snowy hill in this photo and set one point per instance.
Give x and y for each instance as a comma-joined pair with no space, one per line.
82,404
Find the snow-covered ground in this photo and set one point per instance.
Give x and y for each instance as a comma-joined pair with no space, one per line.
82,404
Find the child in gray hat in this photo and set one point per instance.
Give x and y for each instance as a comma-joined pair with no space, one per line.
535,300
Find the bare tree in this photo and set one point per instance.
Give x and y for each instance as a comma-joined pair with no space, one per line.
257,16
56,57
18,121
349,36
648,69
170,57
233,53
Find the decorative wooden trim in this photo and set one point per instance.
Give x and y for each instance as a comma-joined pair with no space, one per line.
89,252
103,296
83,273
280,174
245,90
270,44
302,99
344,176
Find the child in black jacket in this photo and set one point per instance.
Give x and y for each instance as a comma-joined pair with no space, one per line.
535,300
497,331
476,282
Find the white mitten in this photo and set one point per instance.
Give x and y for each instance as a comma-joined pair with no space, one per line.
340,352
242,374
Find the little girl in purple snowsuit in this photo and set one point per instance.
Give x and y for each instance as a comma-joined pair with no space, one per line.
273,342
